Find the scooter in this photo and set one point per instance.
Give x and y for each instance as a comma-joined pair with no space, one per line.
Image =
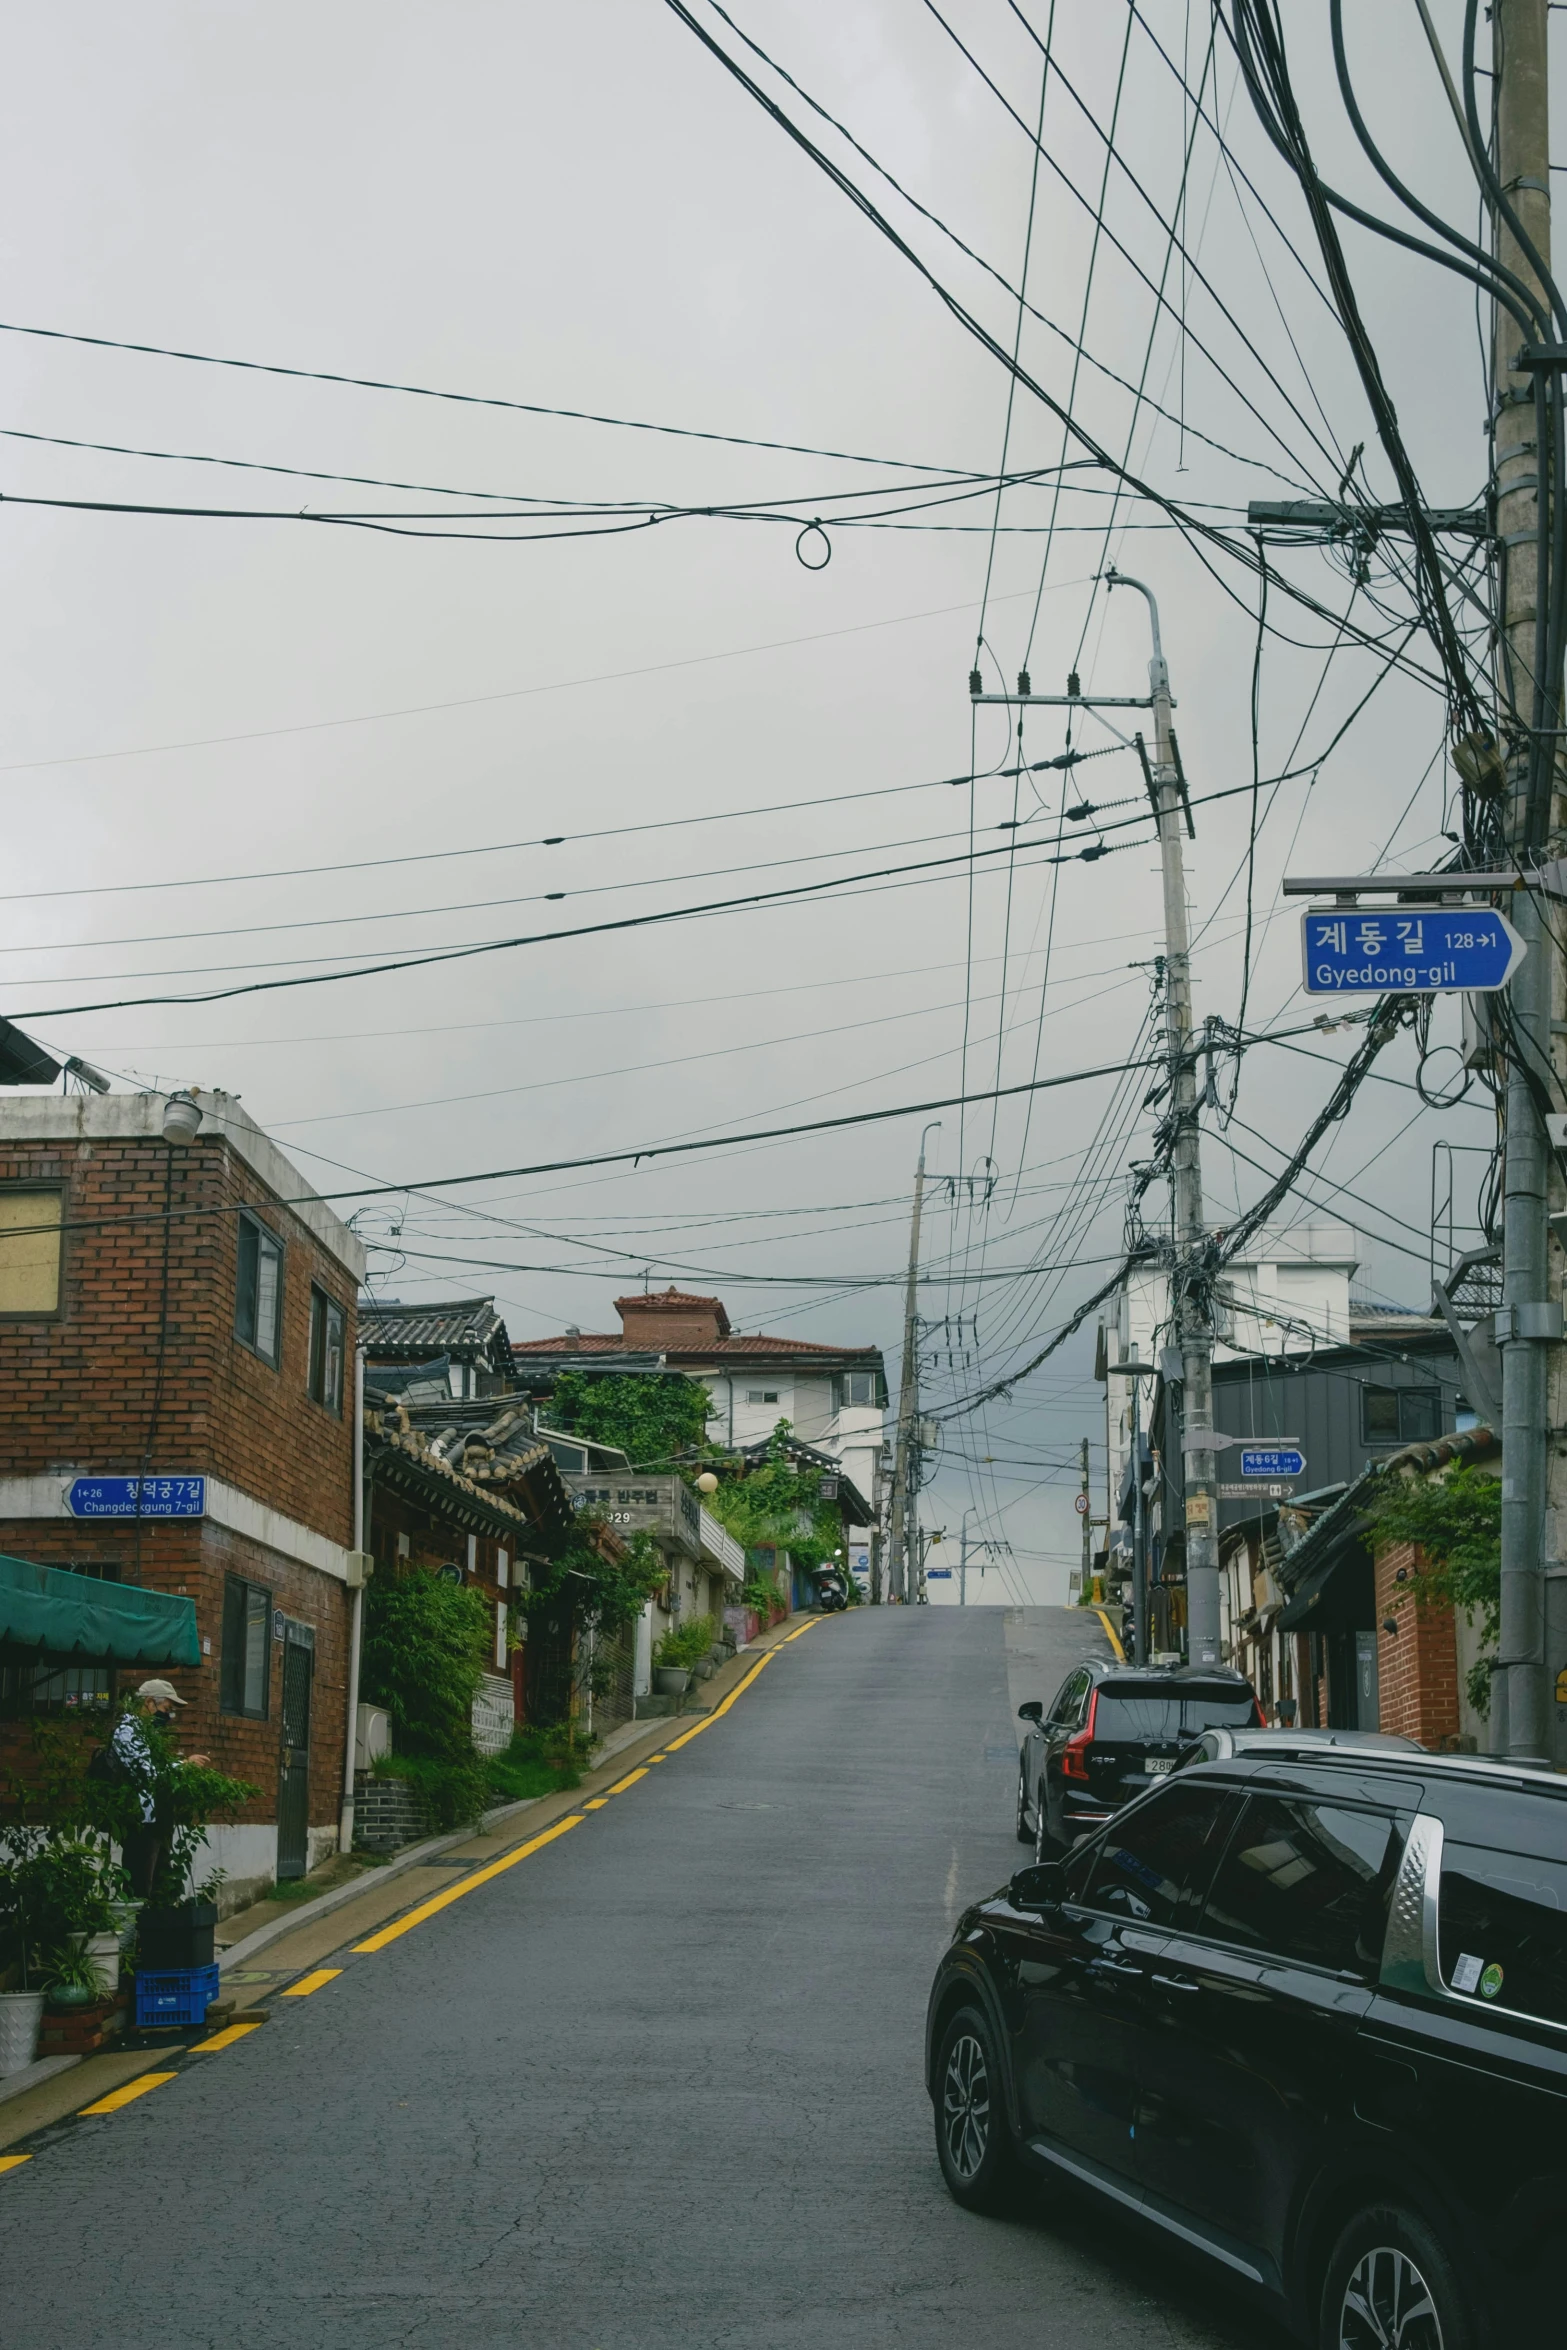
830,1594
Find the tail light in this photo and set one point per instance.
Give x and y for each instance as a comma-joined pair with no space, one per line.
1074,1755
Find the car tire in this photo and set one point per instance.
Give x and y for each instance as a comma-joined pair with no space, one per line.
1389,2281
1025,1832
973,2137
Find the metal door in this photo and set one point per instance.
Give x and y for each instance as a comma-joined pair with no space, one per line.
550,1658
293,1800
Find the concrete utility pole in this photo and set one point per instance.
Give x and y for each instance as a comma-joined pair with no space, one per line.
1088,1533
1194,1333
903,1565
1533,1646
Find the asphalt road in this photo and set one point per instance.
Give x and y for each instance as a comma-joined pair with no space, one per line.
658,2085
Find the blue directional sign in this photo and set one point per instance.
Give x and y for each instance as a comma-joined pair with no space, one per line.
137,1497
1426,950
938,1574
1284,1460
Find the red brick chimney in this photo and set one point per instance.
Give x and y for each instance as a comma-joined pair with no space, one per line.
670,1321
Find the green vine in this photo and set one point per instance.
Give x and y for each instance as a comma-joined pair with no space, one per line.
1456,1521
779,1507
654,1422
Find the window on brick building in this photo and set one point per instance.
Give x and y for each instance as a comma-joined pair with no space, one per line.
247,1648
1400,1415
328,1327
258,1306
30,1219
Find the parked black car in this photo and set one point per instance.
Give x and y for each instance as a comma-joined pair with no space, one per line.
1305,2009
1111,1729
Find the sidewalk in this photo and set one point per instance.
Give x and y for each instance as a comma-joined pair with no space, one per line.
291,1943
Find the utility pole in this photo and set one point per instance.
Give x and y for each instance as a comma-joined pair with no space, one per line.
1193,1329
902,1561
1525,1722
1088,1534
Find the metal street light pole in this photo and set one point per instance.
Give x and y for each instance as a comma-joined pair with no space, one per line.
1193,1329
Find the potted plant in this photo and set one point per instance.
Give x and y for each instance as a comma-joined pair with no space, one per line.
73,1977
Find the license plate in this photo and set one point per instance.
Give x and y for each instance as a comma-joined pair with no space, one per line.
1157,1770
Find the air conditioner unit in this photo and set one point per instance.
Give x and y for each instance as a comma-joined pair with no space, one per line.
359,1566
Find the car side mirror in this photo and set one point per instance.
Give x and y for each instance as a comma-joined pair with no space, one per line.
1032,1712
1038,1887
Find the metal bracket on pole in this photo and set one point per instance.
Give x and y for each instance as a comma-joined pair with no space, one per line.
1075,701
1549,879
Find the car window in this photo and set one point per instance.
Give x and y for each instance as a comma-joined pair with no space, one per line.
1069,1704
1152,1865
1160,1716
1503,1930
1307,1881
1065,1698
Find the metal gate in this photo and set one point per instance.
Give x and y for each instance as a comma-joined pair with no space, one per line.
293,1795
550,1647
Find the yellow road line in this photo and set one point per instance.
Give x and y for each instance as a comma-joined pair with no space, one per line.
13,2161
595,1803
440,1901
629,1780
809,1625
126,2096
230,2037
1112,1635
724,1704
313,1982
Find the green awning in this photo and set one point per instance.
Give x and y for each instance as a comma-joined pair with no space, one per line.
47,1611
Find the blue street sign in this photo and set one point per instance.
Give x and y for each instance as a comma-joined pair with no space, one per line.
1285,1460
938,1574
131,1497
1427,950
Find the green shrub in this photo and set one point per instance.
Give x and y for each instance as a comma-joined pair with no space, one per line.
537,1762
654,1422
425,1645
686,1644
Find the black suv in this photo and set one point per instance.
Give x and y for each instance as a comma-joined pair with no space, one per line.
1111,1729
1306,2010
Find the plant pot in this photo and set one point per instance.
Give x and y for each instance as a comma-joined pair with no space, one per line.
64,1995
670,1680
180,1937
20,2015
703,1669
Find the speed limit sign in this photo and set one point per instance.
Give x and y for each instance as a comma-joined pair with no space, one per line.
1080,1504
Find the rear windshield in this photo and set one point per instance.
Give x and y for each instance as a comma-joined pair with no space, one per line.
1160,1715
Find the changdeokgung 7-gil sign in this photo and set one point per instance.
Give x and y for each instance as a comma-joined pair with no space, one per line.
1428,950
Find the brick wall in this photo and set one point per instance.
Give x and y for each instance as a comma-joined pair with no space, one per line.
79,1388
1418,1664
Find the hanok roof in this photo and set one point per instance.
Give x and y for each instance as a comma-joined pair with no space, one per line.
800,1455
468,1329
478,1455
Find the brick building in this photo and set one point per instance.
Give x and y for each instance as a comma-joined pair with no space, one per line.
177,1326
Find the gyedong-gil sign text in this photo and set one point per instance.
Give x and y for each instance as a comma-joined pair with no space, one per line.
1429,950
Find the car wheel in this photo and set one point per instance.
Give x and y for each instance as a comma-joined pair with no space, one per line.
1390,2286
1025,1833
973,2141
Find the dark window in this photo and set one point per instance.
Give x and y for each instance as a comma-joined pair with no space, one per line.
1504,1930
1158,1716
1153,1865
328,1325
1069,1704
259,1301
1400,1415
856,1388
247,1648
1307,1881
761,1395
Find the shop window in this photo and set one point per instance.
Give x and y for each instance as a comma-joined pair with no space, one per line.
328,1326
1400,1415
258,1304
247,1648
30,1220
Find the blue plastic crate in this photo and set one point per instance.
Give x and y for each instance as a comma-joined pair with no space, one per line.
175,1995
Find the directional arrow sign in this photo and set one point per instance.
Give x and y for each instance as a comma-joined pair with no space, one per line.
1272,1461
1426,950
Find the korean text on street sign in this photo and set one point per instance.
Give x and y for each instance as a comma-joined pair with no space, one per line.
938,1574
137,1497
1256,1492
1282,1460
1430,950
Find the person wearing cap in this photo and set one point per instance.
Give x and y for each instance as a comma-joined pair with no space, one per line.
132,1752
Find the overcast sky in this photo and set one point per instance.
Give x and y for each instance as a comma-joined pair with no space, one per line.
578,208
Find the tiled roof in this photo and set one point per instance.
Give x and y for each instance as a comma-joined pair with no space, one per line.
464,1326
485,1448
580,1342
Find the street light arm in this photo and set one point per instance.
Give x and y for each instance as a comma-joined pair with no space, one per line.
1115,579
